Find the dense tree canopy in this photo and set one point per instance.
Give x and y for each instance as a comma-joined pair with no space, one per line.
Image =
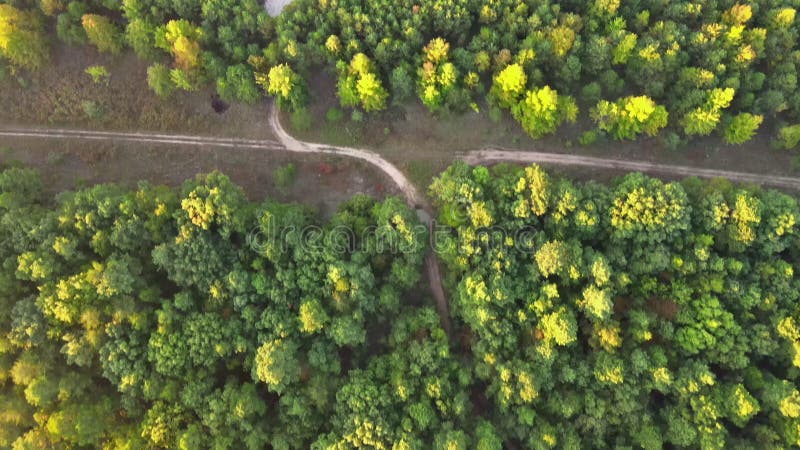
634,67
640,314
634,314
193,318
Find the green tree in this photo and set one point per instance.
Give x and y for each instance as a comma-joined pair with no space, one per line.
102,33
509,85
22,38
741,128
158,79
238,84
359,85
285,85
788,136
704,119
630,116
542,110
276,365
438,76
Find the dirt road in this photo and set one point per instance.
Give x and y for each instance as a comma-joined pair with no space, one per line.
286,142
147,138
412,196
497,155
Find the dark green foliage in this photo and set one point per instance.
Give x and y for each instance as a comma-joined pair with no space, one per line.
238,84
161,318
673,55
641,314
679,57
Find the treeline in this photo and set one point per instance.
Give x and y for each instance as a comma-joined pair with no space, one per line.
638,314
634,68
193,318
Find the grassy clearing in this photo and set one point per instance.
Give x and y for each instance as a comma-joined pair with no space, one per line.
65,95
319,181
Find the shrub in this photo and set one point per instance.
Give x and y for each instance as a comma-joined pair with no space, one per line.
284,176
788,137
301,119
98,74
159,80
588,138
334,115
92,109
102,33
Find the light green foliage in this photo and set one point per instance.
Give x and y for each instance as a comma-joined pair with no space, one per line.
508,85
542,110
703,119
284,176
99,74
629,116
102,33
312,316
645,209
181,39
284,84
788,136
742,128
359,85
437,76
238,84
370,92
22,39
92,110
653,314
158,79
276,365
140,36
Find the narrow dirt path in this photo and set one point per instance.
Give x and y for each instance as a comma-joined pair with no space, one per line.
413,199
497,155
412,196
286,142
147,138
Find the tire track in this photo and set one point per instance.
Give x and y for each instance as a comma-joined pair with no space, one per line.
504,155
285,142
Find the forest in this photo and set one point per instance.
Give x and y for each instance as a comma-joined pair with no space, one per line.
676,69
638,314
633,314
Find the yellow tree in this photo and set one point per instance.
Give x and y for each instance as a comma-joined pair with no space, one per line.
543,110
509,85
284,84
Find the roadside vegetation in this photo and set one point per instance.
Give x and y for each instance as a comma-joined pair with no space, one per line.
637,313
680,70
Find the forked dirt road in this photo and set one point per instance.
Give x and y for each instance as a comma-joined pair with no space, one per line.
285,142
